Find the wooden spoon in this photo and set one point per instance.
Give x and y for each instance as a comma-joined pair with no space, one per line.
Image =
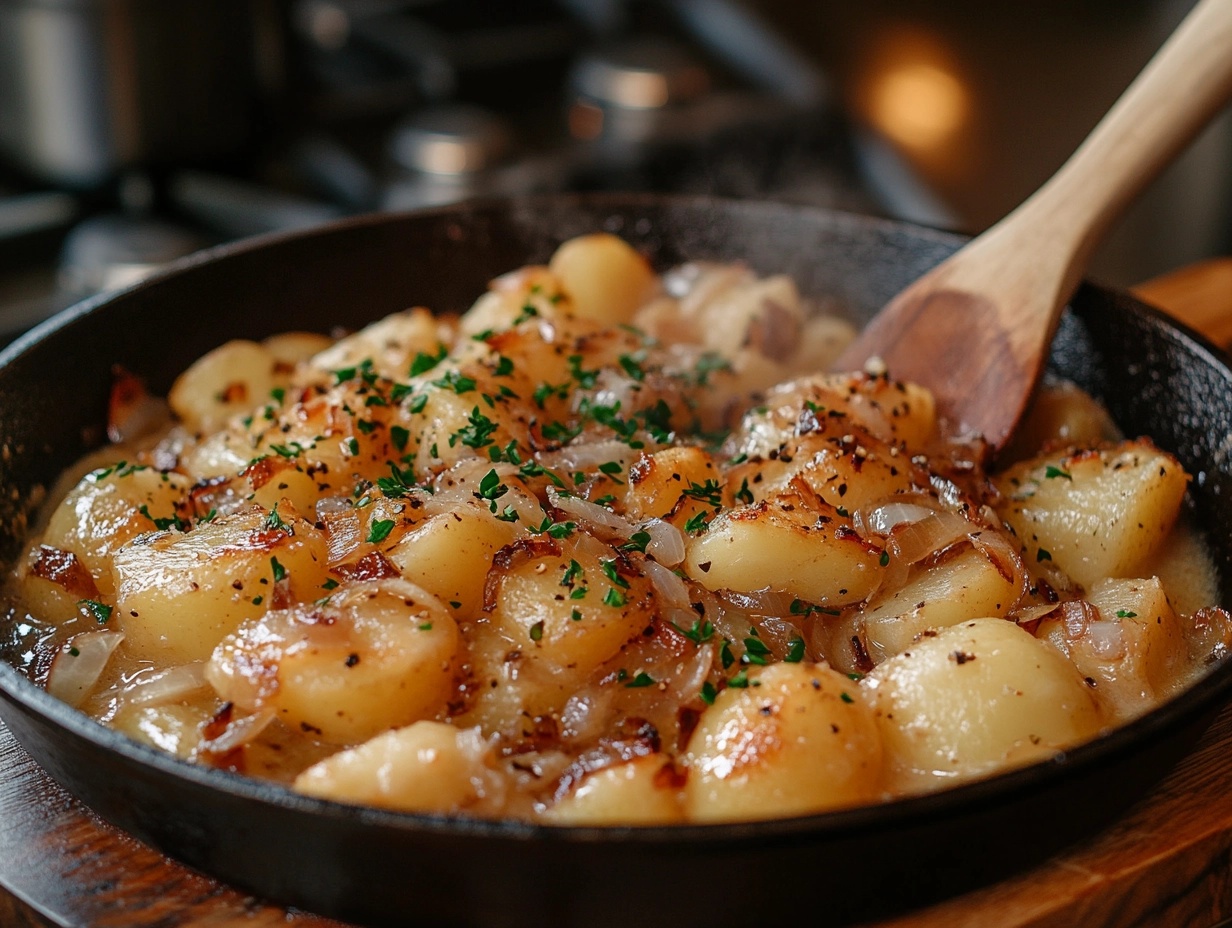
976,329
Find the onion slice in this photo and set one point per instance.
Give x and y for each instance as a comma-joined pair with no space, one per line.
882,518
592,515
79,664
666,543
166,686
670,588
239,732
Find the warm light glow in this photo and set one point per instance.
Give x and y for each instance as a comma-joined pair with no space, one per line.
911,90
917,104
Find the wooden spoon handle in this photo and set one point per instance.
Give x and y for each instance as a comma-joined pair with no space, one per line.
1183,86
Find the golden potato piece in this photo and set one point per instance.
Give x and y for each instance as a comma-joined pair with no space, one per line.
425,767
784,546
1133,650
1095,513
110,507
378,654
642,791
230,380
967,586
976,698
799,739
451,553
178,594
606,279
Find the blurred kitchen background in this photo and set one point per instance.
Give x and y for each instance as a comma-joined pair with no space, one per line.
136,131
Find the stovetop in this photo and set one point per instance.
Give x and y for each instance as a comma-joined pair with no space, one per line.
409,103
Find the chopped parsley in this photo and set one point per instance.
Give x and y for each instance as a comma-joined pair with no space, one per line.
708,492
1051,472
632,366
379,529
458,383
701,631
572,572
279,571
275,521
755,650
637,542
698,524
609,568
641,680
100,612
425,362
490,486
162,524
477,433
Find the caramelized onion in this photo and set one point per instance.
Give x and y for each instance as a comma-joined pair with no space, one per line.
672,590
911,542
1006,558
79,663
1032,615
882,518
345,531
666,543
591,515
239,732
761,602
165,686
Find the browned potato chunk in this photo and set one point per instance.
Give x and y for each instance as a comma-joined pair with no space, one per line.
799,739
1097,513
178,594
376,655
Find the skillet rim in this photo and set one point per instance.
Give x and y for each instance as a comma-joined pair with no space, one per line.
1185,707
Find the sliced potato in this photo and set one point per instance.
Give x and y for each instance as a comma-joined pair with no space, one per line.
1133,652
178,594
642,791
799,739
976,698
425,767
449,554
110,507
1095,513
787,546
378,654
389,344
232,379
967,586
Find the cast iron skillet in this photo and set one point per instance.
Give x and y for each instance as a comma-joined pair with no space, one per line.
382,867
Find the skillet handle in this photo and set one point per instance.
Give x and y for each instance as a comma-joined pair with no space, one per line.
1199,295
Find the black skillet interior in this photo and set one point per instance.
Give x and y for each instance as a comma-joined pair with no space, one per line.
389,868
